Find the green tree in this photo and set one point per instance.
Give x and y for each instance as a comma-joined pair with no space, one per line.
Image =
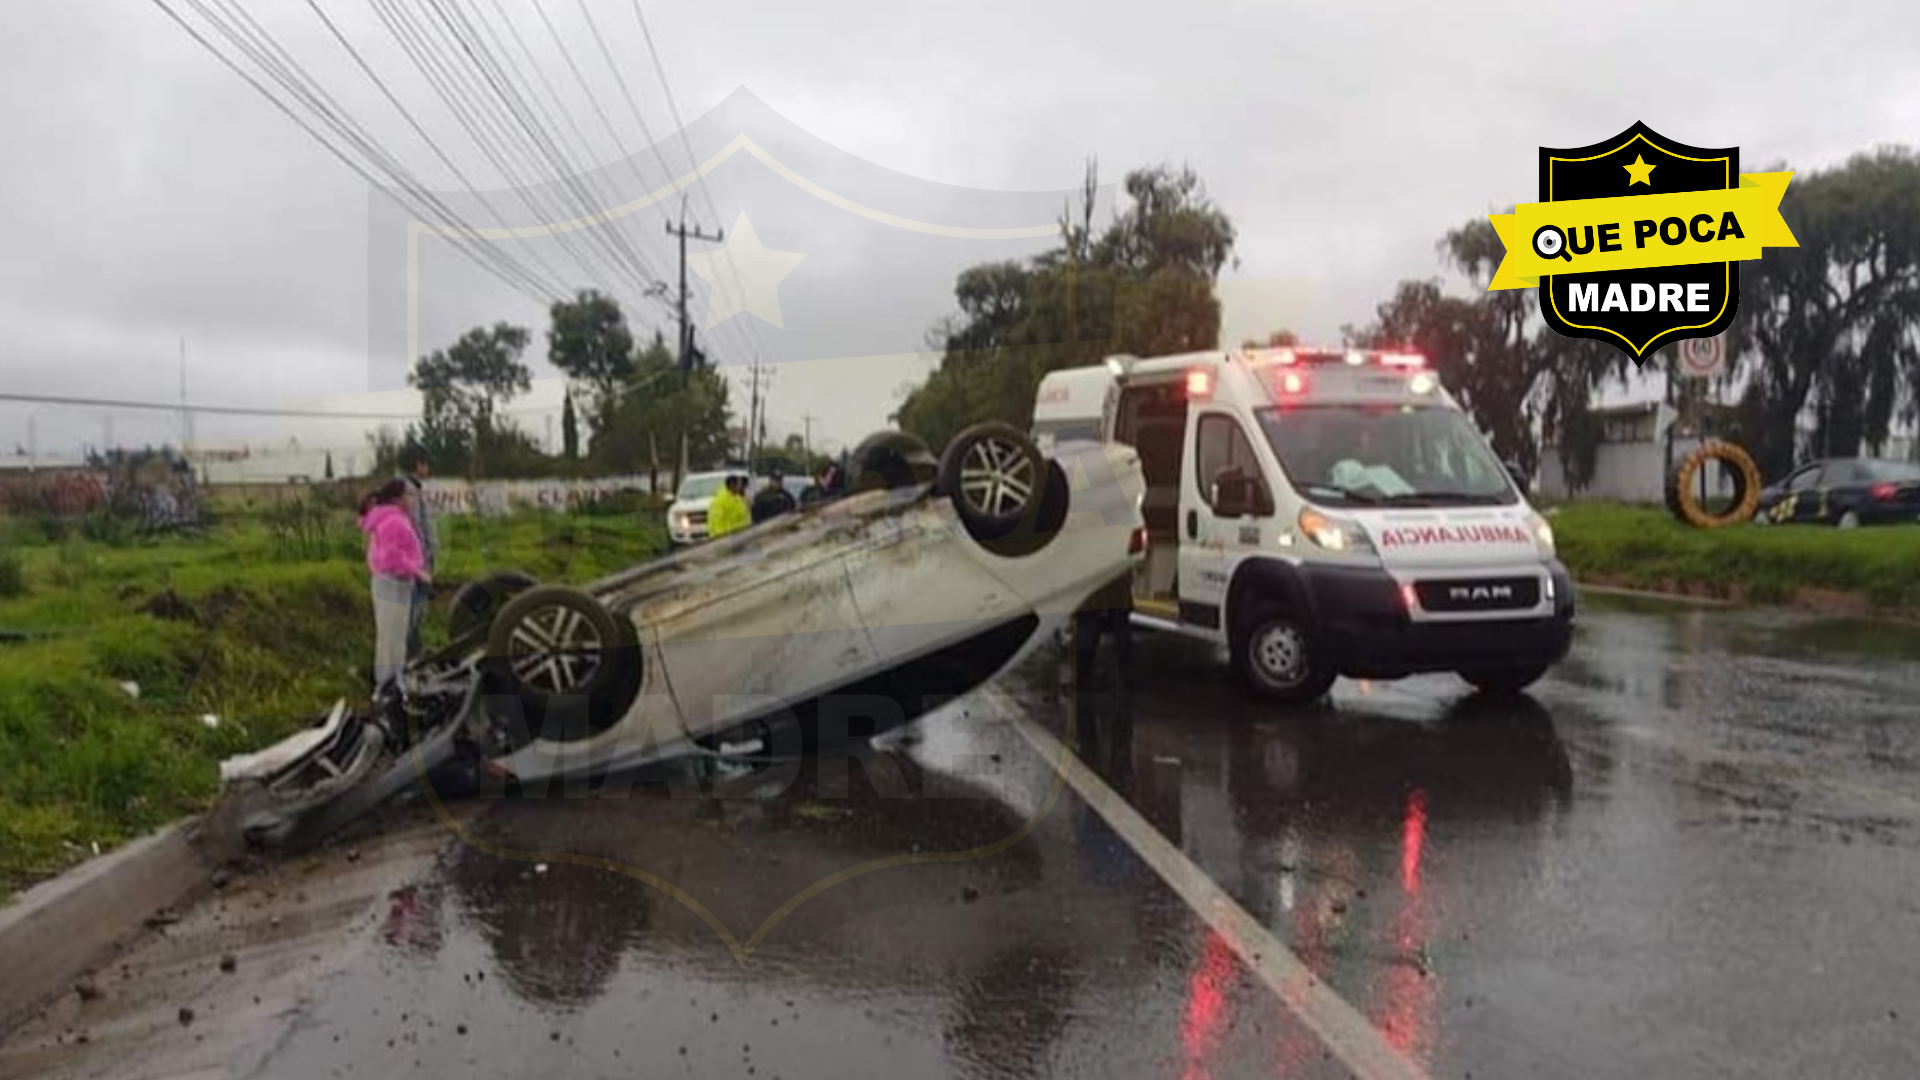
569,430
590,341
1142,285
1828,327
462,388
329,464
654,407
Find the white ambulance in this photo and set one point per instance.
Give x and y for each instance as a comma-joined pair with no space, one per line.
1324,512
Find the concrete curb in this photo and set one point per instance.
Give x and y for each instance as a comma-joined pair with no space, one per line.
59,930
1654,594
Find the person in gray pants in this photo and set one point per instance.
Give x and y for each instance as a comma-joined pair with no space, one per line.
415,469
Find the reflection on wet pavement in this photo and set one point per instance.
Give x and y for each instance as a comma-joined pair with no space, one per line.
1055,954
1646,867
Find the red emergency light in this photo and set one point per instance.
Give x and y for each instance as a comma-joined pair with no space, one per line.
1293,383
1199,383
1883,492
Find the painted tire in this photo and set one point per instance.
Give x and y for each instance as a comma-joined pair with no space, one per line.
1684,504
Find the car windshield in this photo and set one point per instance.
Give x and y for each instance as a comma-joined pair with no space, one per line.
1358,455
700,487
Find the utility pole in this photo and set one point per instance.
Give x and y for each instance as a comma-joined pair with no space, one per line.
687,350
753,414
186,415
806,437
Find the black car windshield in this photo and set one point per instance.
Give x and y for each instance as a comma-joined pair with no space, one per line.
1393,455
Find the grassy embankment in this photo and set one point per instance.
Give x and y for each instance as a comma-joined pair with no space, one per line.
1877,568
262,622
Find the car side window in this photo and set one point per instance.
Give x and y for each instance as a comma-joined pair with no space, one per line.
1221,444
1804,479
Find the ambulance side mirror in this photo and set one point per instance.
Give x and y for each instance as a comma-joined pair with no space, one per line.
1518,474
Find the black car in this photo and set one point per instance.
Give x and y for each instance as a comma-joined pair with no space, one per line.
1845,492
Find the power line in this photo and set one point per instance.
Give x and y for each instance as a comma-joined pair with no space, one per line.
258,45
580,141
407,114
503,85
448,80
751,330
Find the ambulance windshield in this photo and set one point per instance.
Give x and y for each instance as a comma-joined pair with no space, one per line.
1389,455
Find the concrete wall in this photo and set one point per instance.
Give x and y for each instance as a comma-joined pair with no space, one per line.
1630,472
455,497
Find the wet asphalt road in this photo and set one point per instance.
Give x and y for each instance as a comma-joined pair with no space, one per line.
1690,853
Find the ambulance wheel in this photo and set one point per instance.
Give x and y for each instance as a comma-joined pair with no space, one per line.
1277,658
1505,681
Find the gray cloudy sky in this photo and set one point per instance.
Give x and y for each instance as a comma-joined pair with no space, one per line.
150,195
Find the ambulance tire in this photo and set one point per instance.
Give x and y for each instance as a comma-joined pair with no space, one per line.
1274,653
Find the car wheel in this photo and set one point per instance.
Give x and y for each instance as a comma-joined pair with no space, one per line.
1276,657
891,460
995,477
1848,520
1505,680
574,665
475,603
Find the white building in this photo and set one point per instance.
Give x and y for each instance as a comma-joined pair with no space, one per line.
1631,464
242,462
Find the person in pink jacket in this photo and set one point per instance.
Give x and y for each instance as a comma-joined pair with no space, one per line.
397,564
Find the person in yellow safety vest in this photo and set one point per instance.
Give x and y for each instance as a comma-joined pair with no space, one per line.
728,513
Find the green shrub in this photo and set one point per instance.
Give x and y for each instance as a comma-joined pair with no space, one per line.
13,574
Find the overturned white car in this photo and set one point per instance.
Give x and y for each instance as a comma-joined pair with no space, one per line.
929,577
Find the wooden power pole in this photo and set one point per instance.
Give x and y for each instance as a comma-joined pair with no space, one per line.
687,352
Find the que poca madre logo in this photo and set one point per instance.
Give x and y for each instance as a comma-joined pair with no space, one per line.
1637,240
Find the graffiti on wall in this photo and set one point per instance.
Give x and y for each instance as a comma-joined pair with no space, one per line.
459,498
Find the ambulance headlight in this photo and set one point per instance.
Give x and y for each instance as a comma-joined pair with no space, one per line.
1542,533
1334,534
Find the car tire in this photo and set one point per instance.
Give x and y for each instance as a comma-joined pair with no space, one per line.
475,603
564,701
1276,657
1848,520
891,461
995,476
1506,680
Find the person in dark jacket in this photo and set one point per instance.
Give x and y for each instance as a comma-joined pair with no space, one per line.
416,469
773,500
828,484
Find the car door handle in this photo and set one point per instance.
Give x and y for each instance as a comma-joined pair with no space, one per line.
1193,524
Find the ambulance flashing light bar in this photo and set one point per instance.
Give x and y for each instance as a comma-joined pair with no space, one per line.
1350,357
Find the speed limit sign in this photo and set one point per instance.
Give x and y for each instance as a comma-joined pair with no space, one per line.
1702,358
